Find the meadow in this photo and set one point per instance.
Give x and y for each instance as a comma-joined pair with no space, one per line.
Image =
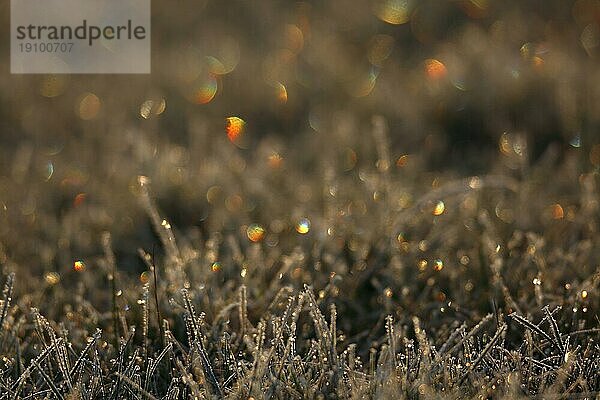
310,200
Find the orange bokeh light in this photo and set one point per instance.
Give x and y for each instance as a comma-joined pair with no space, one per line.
234,128
435,69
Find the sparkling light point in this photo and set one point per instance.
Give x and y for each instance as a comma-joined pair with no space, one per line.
234,126
435,69
255,233
145,277
394,12
79,266
303,226
52,278
439,208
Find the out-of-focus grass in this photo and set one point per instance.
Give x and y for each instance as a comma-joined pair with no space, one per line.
445,166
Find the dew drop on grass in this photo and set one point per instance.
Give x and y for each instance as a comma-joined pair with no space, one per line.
166,224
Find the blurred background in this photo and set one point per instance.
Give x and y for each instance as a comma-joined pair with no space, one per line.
265,112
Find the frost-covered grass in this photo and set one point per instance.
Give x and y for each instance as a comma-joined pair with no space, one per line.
409,211
461,303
